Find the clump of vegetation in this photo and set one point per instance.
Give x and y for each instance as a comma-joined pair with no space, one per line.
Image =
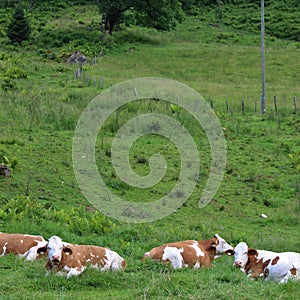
295,160
12,163
13,70
19,28
79,220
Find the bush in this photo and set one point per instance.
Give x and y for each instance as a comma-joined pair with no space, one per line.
7,84
18,30
77,220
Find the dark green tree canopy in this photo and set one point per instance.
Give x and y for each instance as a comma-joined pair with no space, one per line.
159,14
18,29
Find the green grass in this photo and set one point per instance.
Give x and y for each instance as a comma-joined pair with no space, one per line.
146,282
37,124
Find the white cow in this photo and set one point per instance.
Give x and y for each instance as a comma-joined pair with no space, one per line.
272,266
285,266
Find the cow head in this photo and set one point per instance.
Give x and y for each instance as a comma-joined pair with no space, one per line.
55,249
221,246
240,253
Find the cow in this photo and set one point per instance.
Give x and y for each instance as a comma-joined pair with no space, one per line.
285,266
272,266
71,259
190,253
244,259
22,245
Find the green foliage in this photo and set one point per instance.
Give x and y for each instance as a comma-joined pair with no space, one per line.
295,160
20,209
192,7
113,12
19,29
81,222
161,15
76,220
9,162
13,69
7,84
15,73
281,17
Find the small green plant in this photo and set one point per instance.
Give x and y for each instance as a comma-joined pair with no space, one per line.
15,72
295,160
8,84
9,162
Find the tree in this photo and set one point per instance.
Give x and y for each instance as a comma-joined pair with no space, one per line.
113,12
19,29
159,14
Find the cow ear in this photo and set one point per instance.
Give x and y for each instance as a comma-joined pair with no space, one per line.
265,264
229,252
212,247
42,250
67,250
252,251
216,240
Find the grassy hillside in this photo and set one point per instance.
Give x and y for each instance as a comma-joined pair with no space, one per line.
281,17
41,101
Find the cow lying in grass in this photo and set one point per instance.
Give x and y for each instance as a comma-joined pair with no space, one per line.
272,266
70,259
190,253
22,245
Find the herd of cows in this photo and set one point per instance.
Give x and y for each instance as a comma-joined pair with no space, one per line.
71,259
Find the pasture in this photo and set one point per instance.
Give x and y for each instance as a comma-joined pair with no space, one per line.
38,116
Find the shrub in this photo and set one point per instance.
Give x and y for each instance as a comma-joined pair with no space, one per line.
7,84
18,30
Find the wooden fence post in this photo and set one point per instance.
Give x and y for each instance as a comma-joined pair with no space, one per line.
275,105
135,93
227,107
295,104
102,82
243,107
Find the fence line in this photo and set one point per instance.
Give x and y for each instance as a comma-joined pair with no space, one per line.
98,82
292,105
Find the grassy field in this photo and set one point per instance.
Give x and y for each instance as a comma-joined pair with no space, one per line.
38,117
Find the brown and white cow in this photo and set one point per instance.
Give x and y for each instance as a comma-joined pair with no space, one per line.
190,253
70,259
285,266
272,266
22,245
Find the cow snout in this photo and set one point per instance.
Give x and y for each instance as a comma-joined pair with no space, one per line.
238,264
55,258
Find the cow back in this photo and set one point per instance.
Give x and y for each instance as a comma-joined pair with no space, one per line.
18,244
84,255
